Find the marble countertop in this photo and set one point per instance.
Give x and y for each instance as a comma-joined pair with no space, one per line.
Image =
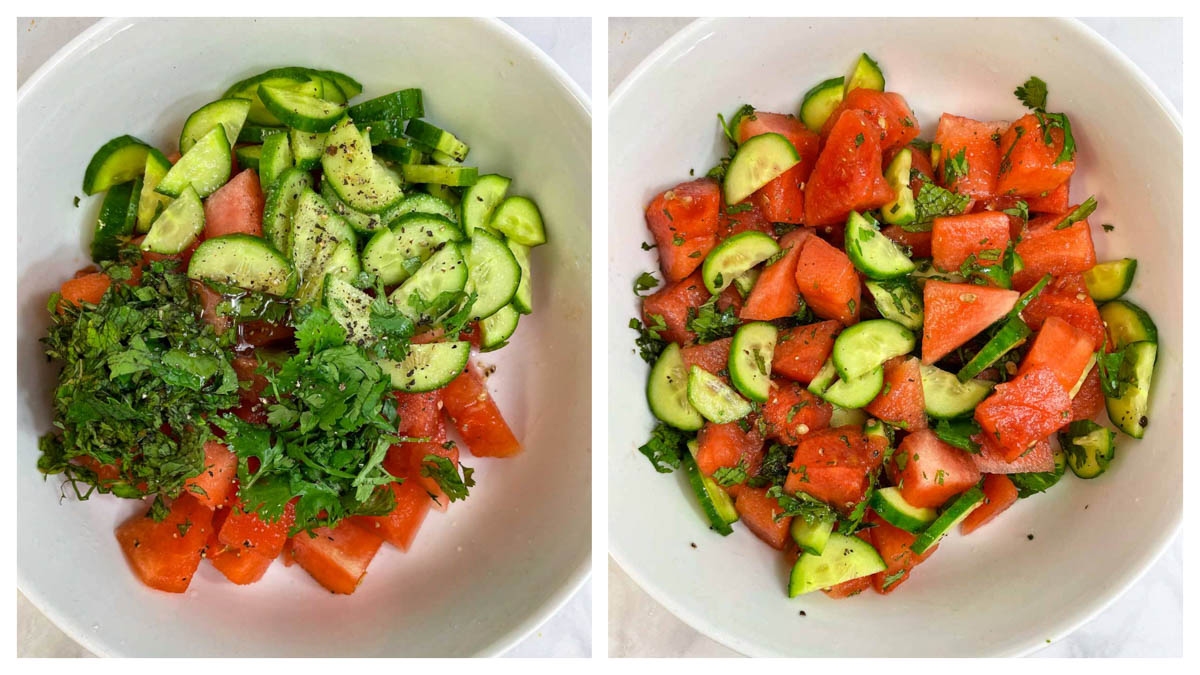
1145,621
568,41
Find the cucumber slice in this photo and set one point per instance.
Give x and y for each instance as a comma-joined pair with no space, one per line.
734,256
667,391
352,309
481,200
519,219
294,109
750,356
855,393
398,105
843,417
289,77
903,209
946,397
925,270
825,377
118,161
523,299
281,201
419,202
1089,447
244,261
342,263
249,156
1127,323
315,230
444,272
701,488
254,133
307,148
820,102
874,427
745,282
349,86
442,175
865,346
866,75
443,141
399,151
151,203
205,167
1010,336
714,399
1027,297
359,180
395,253
383,130
276,157
873,254
495,330
935,153
892,507
428,366
1129,412
365,223
960,508
758,161
1110,280
812,537
721,501
844,559
447,194
897,301
230,113
178,226
118,217
494,273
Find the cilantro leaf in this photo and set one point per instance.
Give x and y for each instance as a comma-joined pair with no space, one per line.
731,475
709,324
958,433
1080,212
445,474
644,282
665,448
649,341
1033,93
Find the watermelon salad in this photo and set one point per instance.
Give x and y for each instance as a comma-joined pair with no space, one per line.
273,348
861,339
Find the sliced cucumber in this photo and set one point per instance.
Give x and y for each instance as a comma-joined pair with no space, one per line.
866,345
1010,336
281,201
873,254
844,559
341,263
897,301
428,366
349,86
856,393
178,226
276,158
1110,280
360,181
444,272
714,399
229,113
442,175
494,273
396,252
519,219
495,330
820,102
443,141
481,199
315,230
205,167
758,161
812,537
365,223
892,507
903,209
254,133
398,105
152,203
1089,447
419,202
925,270
750,356
249,156
118,161
825,377
700,487
118,217
667,391
1127,323
352,309
843,417
244,261
307,148
960,508
745,281
382,130
523,299
1129,412
946,397
399,151
866,75
733,257
288,77
298,111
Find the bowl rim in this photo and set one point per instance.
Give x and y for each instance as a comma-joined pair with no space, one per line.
106,29
1071,621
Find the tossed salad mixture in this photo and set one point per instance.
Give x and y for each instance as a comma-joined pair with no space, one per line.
863,339
276,335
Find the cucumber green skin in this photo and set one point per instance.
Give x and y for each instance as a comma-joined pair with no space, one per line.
666,391
276,157
1091,457
890,505
811,538
392,149
118,161
910,312
185,216
866,345
844,559
714,399
249,156
946,397
445,270
960,508
118,217
358,181
205,167
820,101
281,201
519,219
1127,323
1129,413
824,378
254,133
903,209
1027,297
382,130
414,377
228,112
439,139
269,272
734,256
281,104
152,203
523,299
751,338
496,286
414,235
456,176
495,330
364,223
867,75
1110,280
872,253
696,480
1010,336
306,148
855,393
758,161
349,86
481,200
399,105
290,76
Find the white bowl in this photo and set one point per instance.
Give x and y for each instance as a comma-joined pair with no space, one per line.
480,576
995,592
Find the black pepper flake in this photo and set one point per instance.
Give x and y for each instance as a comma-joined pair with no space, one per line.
693,544
1029,537
803,613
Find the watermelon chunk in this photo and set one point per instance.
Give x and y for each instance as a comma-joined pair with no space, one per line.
999,493
990,458
848,175
1049,250
828,281
1054,201
930,471
1067,298
758,512
725,445
775,293
956,238
399,528
976,143
236,207
165,555
890,112
833,464
782,199
1024,410
802,350
337,558
1029,166
473,412
901,403
671,303
792,412
895,547
1062,348
955,313
684,221
215,484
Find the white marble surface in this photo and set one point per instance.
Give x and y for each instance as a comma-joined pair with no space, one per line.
1146,621
568,41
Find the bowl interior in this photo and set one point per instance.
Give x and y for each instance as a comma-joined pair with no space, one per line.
994,593
479,576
